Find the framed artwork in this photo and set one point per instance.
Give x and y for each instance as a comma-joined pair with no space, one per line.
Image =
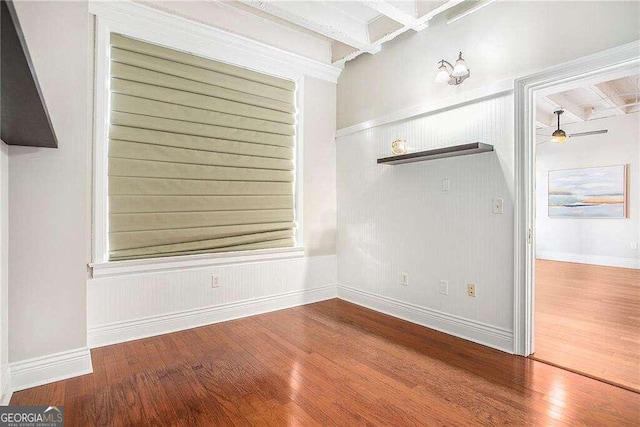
599,192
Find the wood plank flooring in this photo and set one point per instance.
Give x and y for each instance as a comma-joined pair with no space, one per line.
587,318
329,363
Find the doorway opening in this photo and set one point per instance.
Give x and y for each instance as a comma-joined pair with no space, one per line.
577,225
587,228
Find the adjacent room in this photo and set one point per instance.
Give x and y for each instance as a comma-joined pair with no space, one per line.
587,228
319,212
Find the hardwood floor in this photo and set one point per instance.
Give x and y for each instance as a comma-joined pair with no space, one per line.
587,318
329,363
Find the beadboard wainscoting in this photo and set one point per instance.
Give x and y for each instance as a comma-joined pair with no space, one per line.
397,219
124,308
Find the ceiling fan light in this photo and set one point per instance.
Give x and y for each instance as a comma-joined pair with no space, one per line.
443,74
558,136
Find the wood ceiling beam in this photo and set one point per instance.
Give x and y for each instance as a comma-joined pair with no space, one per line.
476,6
375,46
572,111
318,17
392,11
609,97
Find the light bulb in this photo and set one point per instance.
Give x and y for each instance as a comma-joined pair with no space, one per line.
443,74
558,136
460,68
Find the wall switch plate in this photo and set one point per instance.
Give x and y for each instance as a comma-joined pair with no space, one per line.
634,245
445,185
404,279
215,281
497,206
444,287
471,290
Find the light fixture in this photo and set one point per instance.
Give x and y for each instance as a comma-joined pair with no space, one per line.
460,69
454,75
558,136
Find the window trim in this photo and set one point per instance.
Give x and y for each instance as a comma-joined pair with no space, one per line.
153,26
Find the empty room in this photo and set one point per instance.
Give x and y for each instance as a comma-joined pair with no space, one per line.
274,213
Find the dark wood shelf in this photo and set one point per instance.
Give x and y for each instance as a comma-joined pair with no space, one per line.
439,153
24,118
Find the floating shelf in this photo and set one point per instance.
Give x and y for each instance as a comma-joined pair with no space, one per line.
439,153
24,118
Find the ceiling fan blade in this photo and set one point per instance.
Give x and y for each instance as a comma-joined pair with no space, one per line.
592,132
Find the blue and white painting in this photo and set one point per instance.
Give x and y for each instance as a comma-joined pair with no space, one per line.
588,193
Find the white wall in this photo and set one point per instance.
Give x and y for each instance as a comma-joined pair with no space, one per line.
4,271
394,219
601,241
48,221
503,40
319,167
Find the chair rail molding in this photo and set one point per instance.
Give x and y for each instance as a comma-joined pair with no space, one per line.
622,61
432,107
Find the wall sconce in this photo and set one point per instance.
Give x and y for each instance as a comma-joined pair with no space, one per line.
454,75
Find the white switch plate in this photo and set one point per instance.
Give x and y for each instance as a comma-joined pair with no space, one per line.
497,206
445,185
634,245
404,279
444,287
215,281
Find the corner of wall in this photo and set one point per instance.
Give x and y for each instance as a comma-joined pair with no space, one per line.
5,381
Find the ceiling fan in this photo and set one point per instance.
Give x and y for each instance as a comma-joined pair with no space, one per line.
559,136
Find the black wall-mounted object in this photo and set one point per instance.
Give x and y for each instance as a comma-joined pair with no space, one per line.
439,153
24,119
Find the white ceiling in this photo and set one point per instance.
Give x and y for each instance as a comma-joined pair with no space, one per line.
593,100
356,27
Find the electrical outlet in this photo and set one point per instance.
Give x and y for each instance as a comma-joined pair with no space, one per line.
471,290
445,185
497,206
444,287
634,245
404,279
215,281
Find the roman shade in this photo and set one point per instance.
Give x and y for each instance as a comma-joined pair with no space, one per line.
201,155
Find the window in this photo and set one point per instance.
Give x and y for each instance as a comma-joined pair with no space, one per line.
200,155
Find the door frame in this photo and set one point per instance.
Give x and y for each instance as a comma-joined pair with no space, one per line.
622,60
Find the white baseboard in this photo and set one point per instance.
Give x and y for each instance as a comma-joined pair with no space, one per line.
470,330
6,398
608,261
5,385
50,368
157,325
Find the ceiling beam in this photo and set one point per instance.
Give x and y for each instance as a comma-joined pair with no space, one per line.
392,11
544,119
317,17
609,97
422,22
469,10
572,111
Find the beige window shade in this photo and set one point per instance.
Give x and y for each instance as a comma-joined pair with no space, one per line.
200,155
